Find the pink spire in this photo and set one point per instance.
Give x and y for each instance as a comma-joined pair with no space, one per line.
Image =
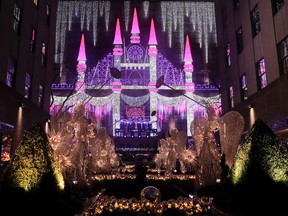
117,37
152,38
187,54
135,38
135,26
82,51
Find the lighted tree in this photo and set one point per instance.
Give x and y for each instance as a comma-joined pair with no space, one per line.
260,157
32,163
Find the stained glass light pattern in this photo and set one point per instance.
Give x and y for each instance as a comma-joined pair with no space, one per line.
10,72
244,87
261,73
231,96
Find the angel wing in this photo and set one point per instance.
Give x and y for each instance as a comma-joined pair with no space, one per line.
231,129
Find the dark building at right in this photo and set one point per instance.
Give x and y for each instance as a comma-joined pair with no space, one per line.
253,60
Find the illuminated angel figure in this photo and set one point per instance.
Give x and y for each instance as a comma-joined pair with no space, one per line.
230,127
172,150
80,152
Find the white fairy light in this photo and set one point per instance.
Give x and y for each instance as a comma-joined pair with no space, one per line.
163,15
82,13
101,8
146,8
107,7
70,15
135,101
116,111
77,6
88,15
95,21
126,13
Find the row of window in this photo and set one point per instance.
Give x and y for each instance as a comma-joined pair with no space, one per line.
276,5
260,68
10,78
255,21
261,78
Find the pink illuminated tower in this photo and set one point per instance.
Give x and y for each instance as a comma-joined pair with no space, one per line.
188,66
81,66
118,50
135,37
152,52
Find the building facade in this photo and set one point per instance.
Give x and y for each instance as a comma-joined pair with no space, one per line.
144,43
26,52
253,60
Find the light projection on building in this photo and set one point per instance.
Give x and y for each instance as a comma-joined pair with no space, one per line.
124,105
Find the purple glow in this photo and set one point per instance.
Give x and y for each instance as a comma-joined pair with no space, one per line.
116,83
116,90
153,90
152,50
82,51
191,87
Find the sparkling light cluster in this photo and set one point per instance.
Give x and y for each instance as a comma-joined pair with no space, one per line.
111,205
201,17
149,177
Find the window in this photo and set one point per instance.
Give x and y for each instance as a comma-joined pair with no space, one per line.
17,16
27,85
32,40
261,74
236,4
40,96
277,5
255,21
231,96
228,55
244,89
239,40
10,72
43,54
283,53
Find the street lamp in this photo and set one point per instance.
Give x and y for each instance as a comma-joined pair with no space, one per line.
160,82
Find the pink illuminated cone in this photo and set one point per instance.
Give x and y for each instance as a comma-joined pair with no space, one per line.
118,37
152,38
82,51
135,25
135,32
187,54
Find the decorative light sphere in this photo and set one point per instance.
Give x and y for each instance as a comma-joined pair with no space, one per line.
151,193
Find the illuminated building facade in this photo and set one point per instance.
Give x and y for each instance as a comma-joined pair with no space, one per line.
253,54
144,41
26,52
